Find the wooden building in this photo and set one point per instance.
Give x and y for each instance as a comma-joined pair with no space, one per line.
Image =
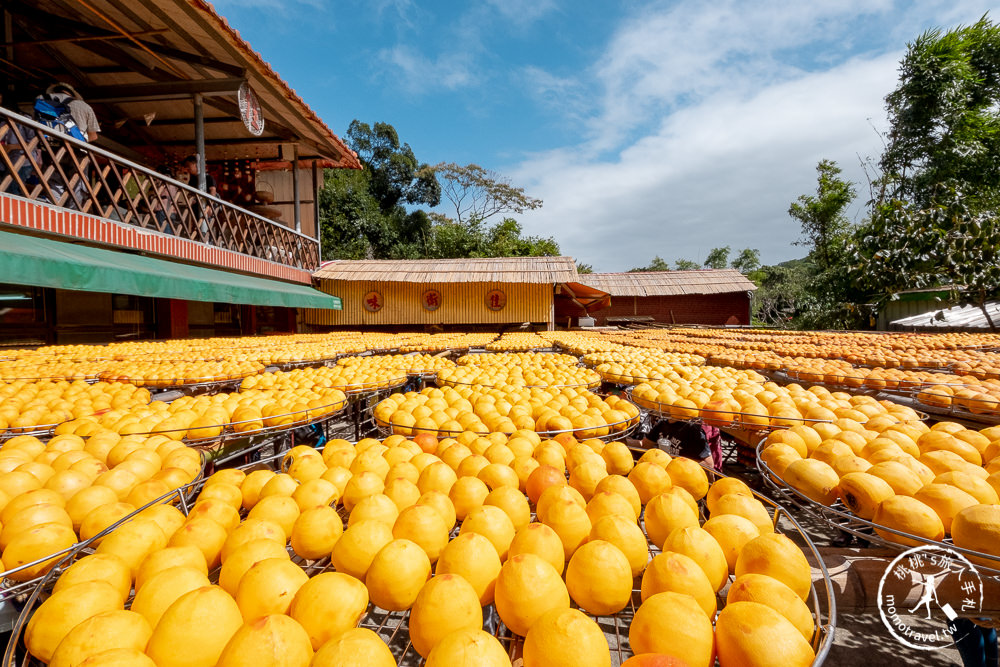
448,292
705,296
109,240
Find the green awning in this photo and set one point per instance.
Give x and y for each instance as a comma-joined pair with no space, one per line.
29,260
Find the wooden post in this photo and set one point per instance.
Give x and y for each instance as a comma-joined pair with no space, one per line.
172,318
319,236
552,308
295,188
199,140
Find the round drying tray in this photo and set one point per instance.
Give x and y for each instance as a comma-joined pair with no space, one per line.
13,582
839,518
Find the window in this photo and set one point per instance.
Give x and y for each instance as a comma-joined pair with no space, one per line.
21,305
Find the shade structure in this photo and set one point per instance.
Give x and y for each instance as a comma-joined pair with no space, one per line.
30,260
579,300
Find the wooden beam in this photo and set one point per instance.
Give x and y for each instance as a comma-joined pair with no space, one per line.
83,80
121,56
162,90
181,122
202,59
234,141
195,59
81,38
229,106
280,96
117,28
106,69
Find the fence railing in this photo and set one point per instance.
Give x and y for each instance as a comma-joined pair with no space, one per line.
41,164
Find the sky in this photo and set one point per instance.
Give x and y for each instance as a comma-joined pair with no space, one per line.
646,128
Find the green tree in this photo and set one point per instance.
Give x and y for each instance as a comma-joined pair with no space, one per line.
935,205
477,194
825,228
781,293
363,213
906,247
944,121
373,213
747,262
830,296
395,175
686,265
584,268
450,239
656,265
718,258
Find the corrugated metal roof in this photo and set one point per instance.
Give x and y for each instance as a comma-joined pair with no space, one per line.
669,283
474,270
963,317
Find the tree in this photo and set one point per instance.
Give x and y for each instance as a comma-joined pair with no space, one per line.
478,194
747,262
718,258
362,213
935,206
825,228
686,265
372,213
395,175
944,120
781,292
656,265
584,268
942,245
450,239
829,298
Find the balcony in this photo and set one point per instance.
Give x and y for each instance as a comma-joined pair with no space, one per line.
47,167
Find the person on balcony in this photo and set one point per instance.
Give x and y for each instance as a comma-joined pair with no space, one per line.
191,168
63,109
15,151
190,165
83,114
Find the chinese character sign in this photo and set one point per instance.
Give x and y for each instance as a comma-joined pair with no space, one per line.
496,299
373,302
431,299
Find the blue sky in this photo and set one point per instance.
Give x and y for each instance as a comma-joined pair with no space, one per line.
647,128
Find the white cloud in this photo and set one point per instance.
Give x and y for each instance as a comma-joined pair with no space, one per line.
722,172
461,42
416,73
522,12
709,120
566,95
658,60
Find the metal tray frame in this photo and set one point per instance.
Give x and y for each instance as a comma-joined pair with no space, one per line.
839,517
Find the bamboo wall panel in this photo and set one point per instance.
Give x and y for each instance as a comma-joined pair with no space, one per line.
461,303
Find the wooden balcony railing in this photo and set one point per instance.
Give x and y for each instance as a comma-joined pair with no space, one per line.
41,164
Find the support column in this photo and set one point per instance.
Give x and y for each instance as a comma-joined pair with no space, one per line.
295,188
319,235
172,318
199,140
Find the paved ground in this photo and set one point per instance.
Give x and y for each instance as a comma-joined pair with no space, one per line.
862,639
